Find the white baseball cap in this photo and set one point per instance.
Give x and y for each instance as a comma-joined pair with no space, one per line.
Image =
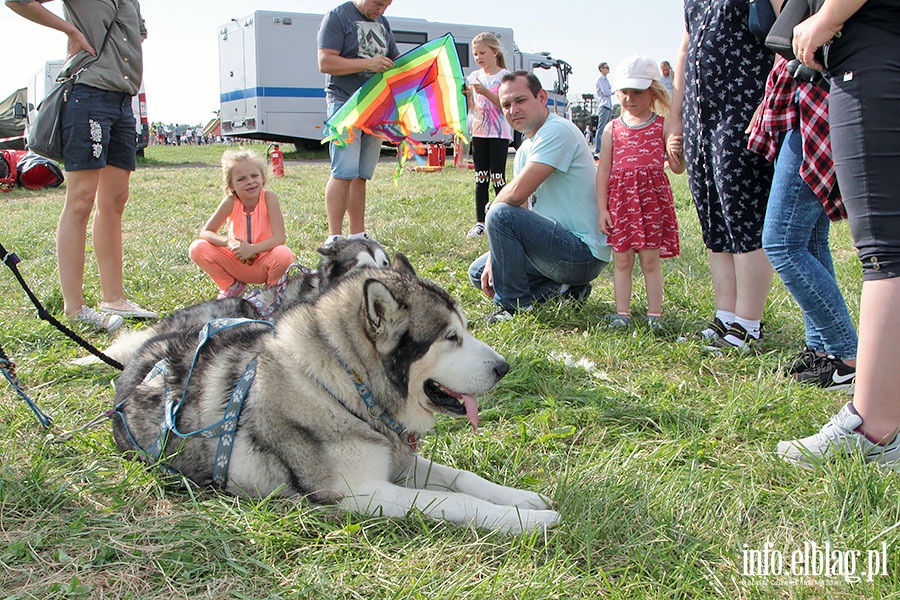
635,72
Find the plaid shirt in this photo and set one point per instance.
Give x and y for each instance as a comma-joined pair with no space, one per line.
789,104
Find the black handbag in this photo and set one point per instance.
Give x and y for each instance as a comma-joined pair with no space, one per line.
781,35
760,18
45,127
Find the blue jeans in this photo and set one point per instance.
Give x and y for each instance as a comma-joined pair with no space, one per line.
531,257
603,116
795,238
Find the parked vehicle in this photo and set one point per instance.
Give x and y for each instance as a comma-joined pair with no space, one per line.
271,87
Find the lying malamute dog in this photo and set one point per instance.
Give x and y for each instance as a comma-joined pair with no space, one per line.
343,389
338,259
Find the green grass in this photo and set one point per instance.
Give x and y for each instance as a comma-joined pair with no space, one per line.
658,456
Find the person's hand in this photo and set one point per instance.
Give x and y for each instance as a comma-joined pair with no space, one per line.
754,118
812,34
605,222
78,43
242,250
487,280
380,64
675,144
479,88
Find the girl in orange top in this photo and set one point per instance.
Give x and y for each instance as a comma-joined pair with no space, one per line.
252,249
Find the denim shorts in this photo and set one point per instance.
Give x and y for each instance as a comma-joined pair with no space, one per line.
98,130
356,159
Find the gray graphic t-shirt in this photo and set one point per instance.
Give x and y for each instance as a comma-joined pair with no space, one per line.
346,30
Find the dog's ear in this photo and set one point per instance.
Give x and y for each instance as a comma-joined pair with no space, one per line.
327,250
385,315
402,264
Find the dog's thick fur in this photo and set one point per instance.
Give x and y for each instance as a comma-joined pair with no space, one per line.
338,259
305,429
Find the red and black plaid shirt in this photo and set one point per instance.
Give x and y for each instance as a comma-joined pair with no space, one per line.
789,104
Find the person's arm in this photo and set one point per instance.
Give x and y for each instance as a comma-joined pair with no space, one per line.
480,88
673,126
332,63
604,168
487,279
815,31
210,231
519,190
36,13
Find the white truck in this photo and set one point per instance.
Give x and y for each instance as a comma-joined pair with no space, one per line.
44,80
271,87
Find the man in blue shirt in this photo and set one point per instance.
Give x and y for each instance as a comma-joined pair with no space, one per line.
604,103
555,247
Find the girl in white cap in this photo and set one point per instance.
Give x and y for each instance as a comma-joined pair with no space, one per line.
634,197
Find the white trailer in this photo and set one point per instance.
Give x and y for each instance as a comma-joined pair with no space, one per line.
45,80
271,87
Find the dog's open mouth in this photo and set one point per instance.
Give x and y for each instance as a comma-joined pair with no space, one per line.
453,402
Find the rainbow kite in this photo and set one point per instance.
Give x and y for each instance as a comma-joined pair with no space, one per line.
421,94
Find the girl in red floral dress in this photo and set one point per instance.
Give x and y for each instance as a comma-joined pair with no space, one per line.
634,197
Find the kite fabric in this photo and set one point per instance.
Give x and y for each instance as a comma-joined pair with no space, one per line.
420,94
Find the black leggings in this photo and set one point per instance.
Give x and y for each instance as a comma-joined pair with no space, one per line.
864,117
489,156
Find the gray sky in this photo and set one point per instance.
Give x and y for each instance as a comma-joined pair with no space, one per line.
181,56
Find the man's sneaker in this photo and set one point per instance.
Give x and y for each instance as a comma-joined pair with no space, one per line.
839,437
97,320
617,321
126,308
234,290
476,231
802,361
498,315
747,343
828,372
575,293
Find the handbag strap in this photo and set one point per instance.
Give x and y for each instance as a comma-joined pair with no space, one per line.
61,79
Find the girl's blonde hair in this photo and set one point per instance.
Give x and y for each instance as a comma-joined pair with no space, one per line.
231,158
490,40
661,100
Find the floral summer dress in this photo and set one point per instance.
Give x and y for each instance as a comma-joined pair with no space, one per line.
640,196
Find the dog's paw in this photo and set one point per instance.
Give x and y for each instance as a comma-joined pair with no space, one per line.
522,499
524,521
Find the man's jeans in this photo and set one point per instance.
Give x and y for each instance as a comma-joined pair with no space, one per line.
795,238
603,116
531,258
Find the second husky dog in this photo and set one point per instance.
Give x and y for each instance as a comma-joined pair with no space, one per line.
338,259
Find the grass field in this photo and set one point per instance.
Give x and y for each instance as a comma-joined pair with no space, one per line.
657,455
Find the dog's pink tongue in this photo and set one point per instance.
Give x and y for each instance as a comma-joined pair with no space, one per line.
471,405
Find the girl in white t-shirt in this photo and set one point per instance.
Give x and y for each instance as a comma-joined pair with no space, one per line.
490,131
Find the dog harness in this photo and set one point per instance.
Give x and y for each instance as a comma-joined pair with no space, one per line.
224,430
267,310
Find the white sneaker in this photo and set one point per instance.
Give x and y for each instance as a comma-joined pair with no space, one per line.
837,437
476,231
108,322
126,308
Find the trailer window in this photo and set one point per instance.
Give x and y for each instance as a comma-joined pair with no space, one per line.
463,51
410,37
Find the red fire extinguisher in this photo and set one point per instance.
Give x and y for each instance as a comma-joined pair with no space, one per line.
277,159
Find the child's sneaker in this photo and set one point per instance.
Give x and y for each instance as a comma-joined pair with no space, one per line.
829,372
715,330
839,437
655,324
802,361
97,320
234,290
617,321
476,231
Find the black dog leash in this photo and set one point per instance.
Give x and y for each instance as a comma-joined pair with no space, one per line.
11,260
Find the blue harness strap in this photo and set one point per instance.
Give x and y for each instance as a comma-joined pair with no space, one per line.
225,429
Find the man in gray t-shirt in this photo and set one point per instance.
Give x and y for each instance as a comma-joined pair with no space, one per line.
354,42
